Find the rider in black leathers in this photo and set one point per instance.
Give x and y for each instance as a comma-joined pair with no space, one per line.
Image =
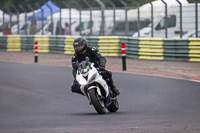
81,51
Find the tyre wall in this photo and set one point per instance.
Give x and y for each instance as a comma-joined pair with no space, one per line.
138,48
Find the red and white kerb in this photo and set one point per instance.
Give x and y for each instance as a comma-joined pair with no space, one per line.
123,48
36,48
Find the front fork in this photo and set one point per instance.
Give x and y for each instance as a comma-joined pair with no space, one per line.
107,100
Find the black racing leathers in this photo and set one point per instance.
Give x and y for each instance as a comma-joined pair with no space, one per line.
99,62
94,56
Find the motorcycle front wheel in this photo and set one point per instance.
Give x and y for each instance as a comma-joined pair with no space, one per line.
97,102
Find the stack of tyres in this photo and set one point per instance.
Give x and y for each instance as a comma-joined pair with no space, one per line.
30,43
194,49
176,49
92,41
3,42
24,40
13,43
69,49
151,48
132,46
60,44
53,44
109,45
43,43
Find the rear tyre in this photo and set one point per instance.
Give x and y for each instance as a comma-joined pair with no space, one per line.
97,102
114,105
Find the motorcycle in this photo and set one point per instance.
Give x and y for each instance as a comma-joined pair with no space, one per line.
95,88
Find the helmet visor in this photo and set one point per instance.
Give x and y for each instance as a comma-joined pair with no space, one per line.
78,47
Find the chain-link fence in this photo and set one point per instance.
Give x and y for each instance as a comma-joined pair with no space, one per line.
166,19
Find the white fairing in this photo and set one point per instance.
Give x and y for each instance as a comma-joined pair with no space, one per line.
81,80
93,76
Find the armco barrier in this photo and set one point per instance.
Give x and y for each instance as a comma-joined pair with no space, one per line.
138,48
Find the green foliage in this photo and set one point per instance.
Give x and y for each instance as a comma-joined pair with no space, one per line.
191,1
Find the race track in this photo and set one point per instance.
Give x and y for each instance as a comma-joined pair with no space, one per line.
37,99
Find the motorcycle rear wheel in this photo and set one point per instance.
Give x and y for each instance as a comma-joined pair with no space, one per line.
114,105
96,101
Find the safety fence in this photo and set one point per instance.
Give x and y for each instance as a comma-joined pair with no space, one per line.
138,48
103,18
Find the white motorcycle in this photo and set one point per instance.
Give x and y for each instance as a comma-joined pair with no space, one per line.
95,88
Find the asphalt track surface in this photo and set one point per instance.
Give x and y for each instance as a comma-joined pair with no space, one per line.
37,99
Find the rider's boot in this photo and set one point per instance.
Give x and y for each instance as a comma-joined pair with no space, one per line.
112,86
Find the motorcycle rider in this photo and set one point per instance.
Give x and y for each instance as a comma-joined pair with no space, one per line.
81,51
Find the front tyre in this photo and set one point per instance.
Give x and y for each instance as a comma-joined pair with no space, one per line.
96,101
114,105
